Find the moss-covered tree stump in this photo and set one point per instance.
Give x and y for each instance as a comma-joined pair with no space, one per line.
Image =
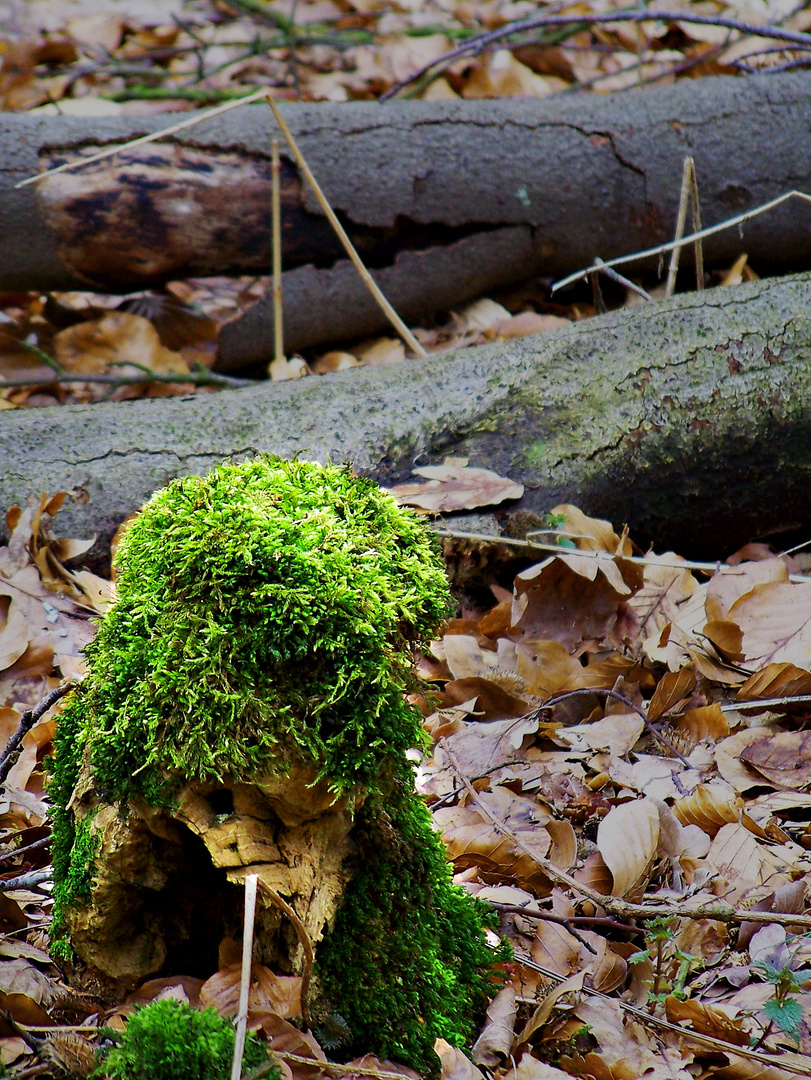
246,711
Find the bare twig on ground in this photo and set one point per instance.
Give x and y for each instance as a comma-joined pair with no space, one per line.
798,1064
477,44
27,721
27,881
622,909
7,856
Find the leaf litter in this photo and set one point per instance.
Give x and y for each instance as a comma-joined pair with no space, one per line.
657,901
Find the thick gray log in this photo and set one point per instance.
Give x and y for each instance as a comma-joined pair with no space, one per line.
445,199
688,419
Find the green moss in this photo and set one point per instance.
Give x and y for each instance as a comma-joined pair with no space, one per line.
265,612
169,1040
407,962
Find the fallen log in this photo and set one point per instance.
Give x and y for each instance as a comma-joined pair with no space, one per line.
445,200
687,419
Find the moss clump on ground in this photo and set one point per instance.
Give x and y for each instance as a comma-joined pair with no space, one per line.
169,1040
266,617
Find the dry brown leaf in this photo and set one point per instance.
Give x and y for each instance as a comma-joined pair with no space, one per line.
532,1068
776,680
333,361
732,767
710,807
496,1039
744,862
696,725
116,342
707,1019
456,1065
628,839
546,668
456,486
617,734
673,687
775,620
381,352
732,582
472,840
528,322
481,315
499,74
369,1067
594,534
552,602
783,757
268,993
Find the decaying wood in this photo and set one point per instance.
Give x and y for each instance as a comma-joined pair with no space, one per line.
446,200
687,419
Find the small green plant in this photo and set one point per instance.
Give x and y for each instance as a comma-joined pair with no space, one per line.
555,523
169,1040
782,1011
671,966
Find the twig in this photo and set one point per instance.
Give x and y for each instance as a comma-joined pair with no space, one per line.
612,275
7,856
26,881
600,556
621,909
198,118
334,1067
615,696
369,281
306,945
562,920
27,721
481,41
780,1062
702,234
245,981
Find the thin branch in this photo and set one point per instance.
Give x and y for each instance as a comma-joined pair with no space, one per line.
340,232
612,275
621,909
562,920
615,696
334,1067
803,1068
600,556
663,249
477,44
245,980
7,856
27,721
26,881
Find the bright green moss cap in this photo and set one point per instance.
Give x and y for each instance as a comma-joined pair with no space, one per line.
267,611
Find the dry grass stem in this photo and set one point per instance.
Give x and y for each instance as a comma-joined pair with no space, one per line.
198,118
245,982
388,310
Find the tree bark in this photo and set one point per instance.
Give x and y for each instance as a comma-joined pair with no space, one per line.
687,419
445,200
